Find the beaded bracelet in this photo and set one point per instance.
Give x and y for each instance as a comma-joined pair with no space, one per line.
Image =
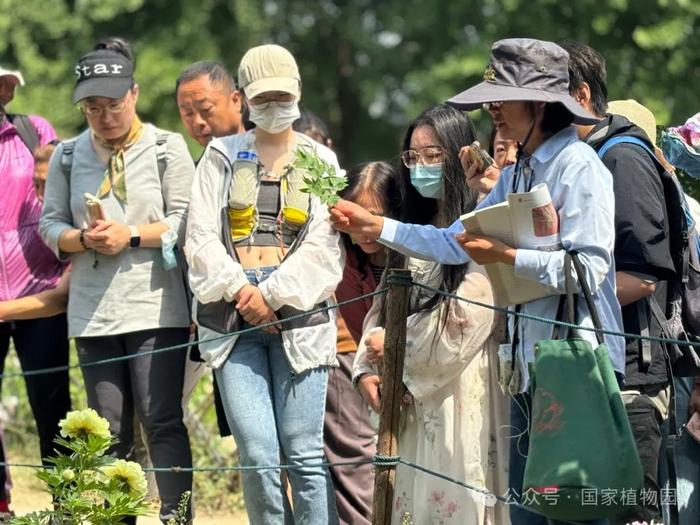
81,238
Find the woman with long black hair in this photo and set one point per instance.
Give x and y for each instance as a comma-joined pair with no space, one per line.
452,408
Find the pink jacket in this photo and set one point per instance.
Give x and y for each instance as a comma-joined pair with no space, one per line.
27,266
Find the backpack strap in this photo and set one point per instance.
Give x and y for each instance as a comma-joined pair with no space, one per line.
26,131
623,139
67,158
162,153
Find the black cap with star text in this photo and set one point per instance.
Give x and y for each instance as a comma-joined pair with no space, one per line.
103,73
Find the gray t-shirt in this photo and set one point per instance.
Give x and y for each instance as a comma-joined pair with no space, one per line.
130,291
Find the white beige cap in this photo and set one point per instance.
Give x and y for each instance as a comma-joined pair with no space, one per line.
268,68
636,114
10,73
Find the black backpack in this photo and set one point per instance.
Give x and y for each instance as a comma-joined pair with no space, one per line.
680,319
26,131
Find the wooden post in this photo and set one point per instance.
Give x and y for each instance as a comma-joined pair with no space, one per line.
399,282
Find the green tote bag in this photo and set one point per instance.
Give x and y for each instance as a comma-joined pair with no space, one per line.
582,462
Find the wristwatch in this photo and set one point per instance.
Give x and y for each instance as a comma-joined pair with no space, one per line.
135,240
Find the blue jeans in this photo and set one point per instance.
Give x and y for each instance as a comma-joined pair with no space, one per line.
520,413
277,416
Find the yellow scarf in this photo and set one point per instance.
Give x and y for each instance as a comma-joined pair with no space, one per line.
115,176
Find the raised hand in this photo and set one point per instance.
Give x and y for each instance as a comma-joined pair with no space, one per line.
352,218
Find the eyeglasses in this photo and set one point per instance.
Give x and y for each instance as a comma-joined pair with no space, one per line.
95,111
262,102
492,106
429,155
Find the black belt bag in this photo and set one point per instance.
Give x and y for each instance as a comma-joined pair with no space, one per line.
221,316
316,318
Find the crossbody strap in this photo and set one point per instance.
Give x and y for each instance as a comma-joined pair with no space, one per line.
162,153
26,131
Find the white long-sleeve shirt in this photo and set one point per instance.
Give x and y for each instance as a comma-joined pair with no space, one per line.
306,278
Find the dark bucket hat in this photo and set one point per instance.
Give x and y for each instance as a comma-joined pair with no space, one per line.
102,73
525,69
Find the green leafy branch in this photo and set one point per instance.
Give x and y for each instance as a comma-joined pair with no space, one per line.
321,178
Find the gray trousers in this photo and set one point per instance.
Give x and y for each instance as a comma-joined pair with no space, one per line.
152,386
348,436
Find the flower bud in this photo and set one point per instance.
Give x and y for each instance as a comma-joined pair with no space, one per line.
68,475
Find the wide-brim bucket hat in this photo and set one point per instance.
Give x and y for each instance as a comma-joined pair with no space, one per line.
637,114
528,70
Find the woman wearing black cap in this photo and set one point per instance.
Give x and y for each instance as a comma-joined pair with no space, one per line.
115,205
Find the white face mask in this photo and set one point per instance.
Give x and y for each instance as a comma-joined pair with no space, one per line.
276,117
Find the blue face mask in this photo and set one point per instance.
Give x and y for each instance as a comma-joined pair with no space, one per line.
427,179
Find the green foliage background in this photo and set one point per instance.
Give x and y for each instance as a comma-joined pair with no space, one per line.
368,66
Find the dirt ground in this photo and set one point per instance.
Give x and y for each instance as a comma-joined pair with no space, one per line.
28,495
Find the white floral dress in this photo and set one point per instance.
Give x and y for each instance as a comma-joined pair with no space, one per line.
456,423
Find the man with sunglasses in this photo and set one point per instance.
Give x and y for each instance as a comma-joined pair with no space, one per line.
28,267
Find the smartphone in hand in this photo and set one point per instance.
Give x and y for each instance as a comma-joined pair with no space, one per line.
94,208
479,155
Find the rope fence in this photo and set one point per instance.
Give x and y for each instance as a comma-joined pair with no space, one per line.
501,309
378,460
51,370
555,322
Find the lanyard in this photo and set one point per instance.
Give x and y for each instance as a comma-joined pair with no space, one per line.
522,171
515,336
522,158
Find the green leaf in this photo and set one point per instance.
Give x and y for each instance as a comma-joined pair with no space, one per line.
320,178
